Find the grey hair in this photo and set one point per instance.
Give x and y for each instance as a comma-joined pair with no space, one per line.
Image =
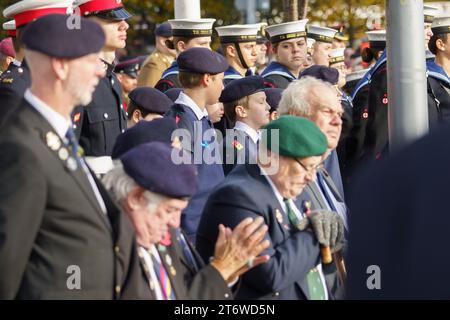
119,184
296,98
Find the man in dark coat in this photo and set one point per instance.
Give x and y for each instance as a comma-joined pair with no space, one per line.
170,268
61,233
267,190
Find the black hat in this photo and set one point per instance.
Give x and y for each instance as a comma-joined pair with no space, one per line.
129,66
240,88
151,167
273,96
327,74
51,36
173,93
150,99
144,132
105,9
201,60
164,30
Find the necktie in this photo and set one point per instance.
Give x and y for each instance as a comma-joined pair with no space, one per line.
293,219
339,209
73,143
315,284
186,250
163,278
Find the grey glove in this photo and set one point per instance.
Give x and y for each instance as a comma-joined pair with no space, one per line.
328,228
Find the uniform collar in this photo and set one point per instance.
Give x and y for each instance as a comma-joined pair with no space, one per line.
17,63
277,68
436,71
232,72
184,99
56,120
252,133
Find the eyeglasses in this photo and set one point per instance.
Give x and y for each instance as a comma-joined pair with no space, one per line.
312,169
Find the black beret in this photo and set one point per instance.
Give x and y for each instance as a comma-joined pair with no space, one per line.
143,132
150,99
327,74
164,30
273,96
201,60
129,66
51,36
173,93
240,88
151,167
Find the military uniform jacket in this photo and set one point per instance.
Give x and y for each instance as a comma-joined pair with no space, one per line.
247,193
360,99
98,124
377,135
209,175
438,89
13,83
169,78
347,123
277,75
188,282
51,222
153,68
230,75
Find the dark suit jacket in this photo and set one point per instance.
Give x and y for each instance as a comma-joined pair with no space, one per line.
247,193
50,220
187,282
13,83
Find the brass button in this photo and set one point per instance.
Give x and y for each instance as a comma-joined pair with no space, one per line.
117,289
276,294
105,115
227,295
117,249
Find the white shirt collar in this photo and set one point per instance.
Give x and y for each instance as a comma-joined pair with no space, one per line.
56,120
17,63
252,133
280,197
187,101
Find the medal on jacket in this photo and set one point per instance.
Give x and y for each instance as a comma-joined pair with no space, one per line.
279,216
53,141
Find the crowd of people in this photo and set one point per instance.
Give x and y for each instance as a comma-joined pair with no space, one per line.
190,173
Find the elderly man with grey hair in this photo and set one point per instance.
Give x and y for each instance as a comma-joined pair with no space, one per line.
317,100
153,191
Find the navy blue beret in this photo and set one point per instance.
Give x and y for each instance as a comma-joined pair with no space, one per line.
273,96
164,30
240,88
129,66
51,36
144,132
173,93
327,74
201,60
151,167
150,99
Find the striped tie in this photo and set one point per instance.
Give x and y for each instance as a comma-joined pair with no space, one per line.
163,278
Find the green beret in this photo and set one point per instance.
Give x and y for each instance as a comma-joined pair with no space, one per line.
298,137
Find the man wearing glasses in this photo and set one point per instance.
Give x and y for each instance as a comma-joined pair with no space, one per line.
268,189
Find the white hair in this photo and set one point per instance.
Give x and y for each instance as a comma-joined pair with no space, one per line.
119,184
296,98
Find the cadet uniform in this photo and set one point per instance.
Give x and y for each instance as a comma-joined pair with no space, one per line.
438,81
187,28
236,34
377,133
100,122
242,146
277,75
155,64
294,270
63,219
190,116
16,79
